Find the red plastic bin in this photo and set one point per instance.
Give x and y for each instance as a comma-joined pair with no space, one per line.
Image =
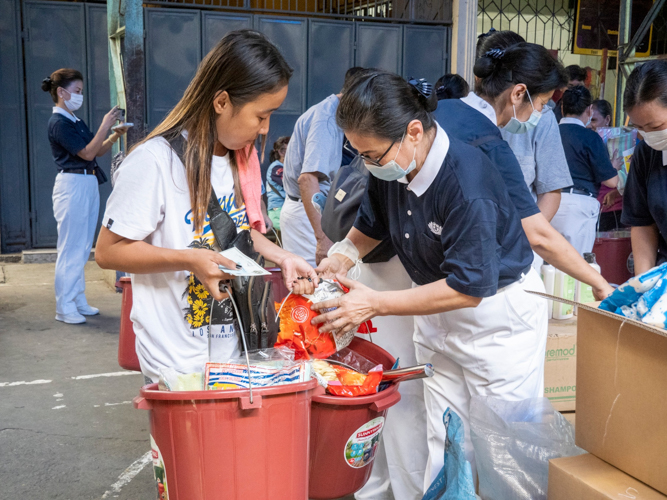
345,433
216,445
612,254
127,353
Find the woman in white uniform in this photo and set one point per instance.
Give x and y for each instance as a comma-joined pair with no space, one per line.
76,196
458,234
156,225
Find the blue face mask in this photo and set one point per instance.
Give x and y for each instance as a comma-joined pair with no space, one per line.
392,171
514,126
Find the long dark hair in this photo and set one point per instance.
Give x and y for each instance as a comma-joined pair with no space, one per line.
382,104
60,78
604,107
277,146
528,63
451,86
245,65
496,40
646,83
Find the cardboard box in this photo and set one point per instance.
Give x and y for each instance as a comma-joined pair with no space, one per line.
586,477
621,394
560,365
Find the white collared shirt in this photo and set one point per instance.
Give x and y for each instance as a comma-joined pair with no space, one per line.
479,104
61,111
567,120
436,156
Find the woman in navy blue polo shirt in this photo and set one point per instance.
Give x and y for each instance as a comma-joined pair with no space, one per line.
76,197
455,229
513,83
590,167
645,195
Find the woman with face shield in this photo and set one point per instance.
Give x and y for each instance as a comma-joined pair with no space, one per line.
645,195
455,229
590,167
512,86
156,224
76,196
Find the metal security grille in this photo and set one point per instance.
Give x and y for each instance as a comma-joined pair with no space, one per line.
546,22
422,11
659,34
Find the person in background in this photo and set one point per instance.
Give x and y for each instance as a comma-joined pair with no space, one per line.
589,165
611,200
314,155
645,195
512,86
539,150
577,76
451,86
76,195
275,192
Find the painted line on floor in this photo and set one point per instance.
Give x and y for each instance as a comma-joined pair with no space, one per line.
116,404
112,374
23,382
128,475
59,407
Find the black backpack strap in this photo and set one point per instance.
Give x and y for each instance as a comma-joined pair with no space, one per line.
222,225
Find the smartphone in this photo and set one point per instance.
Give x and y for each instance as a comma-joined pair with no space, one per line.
122,125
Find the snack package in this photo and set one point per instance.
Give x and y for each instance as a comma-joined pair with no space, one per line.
171,380
229,376
342,381
298,333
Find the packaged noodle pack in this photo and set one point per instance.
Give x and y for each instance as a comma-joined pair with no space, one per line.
298,333
343,381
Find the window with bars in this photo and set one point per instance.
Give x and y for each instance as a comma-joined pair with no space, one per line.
547,22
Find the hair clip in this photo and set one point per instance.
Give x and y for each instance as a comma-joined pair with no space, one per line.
424,88
488,33
495,54
47,80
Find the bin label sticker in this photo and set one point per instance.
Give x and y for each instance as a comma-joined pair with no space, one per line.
362,446
159,472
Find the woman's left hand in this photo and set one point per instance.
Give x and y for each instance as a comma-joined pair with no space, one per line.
352,309
121,131
299,276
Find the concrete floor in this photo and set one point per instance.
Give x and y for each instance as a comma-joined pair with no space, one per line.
66,438
63,437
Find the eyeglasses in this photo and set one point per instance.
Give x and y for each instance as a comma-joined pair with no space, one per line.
366,159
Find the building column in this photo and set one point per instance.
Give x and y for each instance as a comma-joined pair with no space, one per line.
464,38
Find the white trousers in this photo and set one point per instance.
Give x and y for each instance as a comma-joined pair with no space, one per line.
577,219
495,349
398,468
76,205
297,233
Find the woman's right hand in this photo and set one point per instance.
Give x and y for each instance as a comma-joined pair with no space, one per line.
204,264
111,117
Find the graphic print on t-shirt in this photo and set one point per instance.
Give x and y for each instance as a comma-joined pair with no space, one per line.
199,302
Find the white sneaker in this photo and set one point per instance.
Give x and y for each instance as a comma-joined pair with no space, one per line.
88,310
72,318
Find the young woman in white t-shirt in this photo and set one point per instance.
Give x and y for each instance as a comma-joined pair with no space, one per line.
156,227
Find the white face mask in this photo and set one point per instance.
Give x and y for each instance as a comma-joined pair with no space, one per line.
656,140
75,101
392,171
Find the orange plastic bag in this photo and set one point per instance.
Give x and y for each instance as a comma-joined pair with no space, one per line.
298,333
352,383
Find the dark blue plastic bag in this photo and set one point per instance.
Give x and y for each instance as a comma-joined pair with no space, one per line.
454,481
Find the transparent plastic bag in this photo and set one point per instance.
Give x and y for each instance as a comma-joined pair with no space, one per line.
513,442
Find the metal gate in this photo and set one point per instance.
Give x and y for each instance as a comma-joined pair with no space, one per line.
319,50
38,37
59,35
